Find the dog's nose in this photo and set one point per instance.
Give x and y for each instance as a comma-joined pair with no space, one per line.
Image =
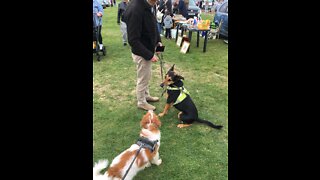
161,85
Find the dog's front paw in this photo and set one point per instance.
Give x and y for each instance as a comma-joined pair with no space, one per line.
183,125
161,114
148,164
158,162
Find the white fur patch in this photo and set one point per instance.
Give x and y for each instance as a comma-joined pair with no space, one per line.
151,116
97,168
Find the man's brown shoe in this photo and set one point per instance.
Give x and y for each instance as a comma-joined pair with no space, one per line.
152,99
146,107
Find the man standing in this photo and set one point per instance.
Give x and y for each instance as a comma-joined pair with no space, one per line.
123,27
143,38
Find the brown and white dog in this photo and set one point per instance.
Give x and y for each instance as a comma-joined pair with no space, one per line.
150,124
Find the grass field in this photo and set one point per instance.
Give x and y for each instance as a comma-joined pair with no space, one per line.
196,152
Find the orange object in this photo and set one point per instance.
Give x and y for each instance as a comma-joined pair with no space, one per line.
204,24
207,22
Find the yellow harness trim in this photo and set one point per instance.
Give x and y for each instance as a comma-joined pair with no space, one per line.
182,95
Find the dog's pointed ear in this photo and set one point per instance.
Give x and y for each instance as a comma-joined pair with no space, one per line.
180,77
177,77
172,68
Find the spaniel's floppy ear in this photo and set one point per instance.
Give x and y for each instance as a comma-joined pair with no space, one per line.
144,121
156,120
148,118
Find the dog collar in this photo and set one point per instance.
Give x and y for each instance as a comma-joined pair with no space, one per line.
146,143
183,93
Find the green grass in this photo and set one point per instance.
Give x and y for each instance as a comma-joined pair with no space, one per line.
197,152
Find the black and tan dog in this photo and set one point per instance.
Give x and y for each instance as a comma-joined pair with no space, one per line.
179,97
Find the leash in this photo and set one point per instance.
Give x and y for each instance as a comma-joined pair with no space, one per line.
161,64
132,161
144,143
161,69
163,92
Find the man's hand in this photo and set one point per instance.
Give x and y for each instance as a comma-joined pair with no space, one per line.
159,45
154,58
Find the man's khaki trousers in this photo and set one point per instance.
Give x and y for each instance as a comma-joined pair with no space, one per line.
143,78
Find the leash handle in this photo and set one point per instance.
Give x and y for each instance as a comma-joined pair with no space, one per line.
142,144
163,92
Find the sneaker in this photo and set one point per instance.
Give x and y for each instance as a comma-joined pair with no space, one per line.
146,107
152,99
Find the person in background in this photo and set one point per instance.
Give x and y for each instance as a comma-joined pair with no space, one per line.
169,7
103,3
217,3
166,5
182,6
123,27
206,5
98,13
167,21
143,38
175,8
159,20
200,4
113,3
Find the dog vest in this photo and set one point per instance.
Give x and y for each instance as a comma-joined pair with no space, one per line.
182,95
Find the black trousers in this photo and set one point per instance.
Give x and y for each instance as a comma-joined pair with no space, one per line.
97,30
168,33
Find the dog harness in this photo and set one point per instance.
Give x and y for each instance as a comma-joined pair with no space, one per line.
142,143
146,143
182,95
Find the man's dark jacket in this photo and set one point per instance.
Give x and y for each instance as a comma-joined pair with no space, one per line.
143,35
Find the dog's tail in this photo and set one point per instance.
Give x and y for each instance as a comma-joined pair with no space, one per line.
209,123
98,167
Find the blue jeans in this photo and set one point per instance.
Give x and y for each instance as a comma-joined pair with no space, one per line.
159,28
203,33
